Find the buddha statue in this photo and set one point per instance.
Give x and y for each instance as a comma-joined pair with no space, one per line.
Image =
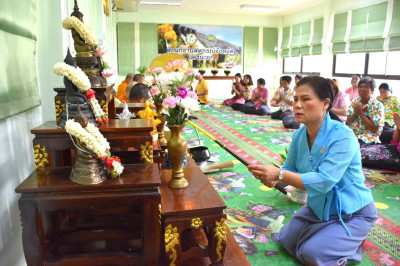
74,99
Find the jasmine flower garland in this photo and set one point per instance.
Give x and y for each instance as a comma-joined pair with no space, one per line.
96,142
85,32
81,81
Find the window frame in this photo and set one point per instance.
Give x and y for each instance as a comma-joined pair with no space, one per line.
374,76
301,69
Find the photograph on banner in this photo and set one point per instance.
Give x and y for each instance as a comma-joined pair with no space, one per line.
204,46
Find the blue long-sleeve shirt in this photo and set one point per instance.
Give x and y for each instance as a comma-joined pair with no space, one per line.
331,172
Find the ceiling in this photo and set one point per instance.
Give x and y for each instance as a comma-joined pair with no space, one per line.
221,6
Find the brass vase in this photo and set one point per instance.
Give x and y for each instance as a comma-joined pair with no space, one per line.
87,170
176,146
160,127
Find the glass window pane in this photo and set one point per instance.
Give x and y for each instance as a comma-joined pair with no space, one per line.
350,63
292,64
377,63
392,67
312,63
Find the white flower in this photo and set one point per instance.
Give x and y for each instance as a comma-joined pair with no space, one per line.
84,31
189,103
76,75
117,167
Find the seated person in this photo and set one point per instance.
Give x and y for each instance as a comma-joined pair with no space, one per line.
122,88
259,100
201,89
323,160
353,90
340,103
392,106
366,115
247,91
285,99
297,78
139,93
137,78
237,89
276,94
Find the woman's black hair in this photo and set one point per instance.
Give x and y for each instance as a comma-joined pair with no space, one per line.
250,79
366,80
288,79
324,90
386,87
238,75
298,76
261,81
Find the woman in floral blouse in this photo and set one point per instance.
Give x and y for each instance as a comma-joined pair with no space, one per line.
392,106
366,115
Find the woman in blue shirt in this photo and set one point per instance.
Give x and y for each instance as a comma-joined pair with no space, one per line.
324,160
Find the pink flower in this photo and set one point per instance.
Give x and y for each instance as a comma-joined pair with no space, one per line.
193,95
182,92
157,70
154,90
169,102
176,65
379,221
108,72
100,51
368,185
190,72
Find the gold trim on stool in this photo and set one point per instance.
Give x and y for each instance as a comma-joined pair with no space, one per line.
196,223
146,152
220,234
171,240
41,156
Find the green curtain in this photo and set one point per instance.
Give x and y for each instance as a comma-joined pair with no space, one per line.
296,32
18,30
376,20
285,37
270,37
395,25
316,49
339,47
295,52
394,43
339,27
126,48
285,52
250,47
305,50
305,33
148,43
357,46
358,23
318,31
374,45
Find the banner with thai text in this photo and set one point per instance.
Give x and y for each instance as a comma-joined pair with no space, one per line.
203,45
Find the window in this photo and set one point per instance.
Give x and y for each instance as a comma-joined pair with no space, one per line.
378,65
312,64
350,63
292,64
392,65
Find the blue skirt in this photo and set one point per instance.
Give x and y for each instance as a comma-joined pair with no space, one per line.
313,242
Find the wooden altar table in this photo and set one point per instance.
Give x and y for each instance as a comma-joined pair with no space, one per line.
124,135
113,223
193,218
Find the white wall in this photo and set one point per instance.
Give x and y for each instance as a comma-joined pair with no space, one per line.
16,163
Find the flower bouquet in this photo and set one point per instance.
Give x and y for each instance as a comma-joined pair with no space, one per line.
171,91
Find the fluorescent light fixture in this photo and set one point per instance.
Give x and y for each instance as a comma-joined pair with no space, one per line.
259,8
162,2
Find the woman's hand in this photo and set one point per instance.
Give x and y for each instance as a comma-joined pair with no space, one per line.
267,174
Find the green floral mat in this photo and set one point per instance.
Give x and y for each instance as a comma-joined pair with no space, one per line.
256,213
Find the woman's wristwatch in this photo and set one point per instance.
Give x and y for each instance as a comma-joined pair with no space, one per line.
281,173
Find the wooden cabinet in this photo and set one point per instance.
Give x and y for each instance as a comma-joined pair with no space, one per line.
116,222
